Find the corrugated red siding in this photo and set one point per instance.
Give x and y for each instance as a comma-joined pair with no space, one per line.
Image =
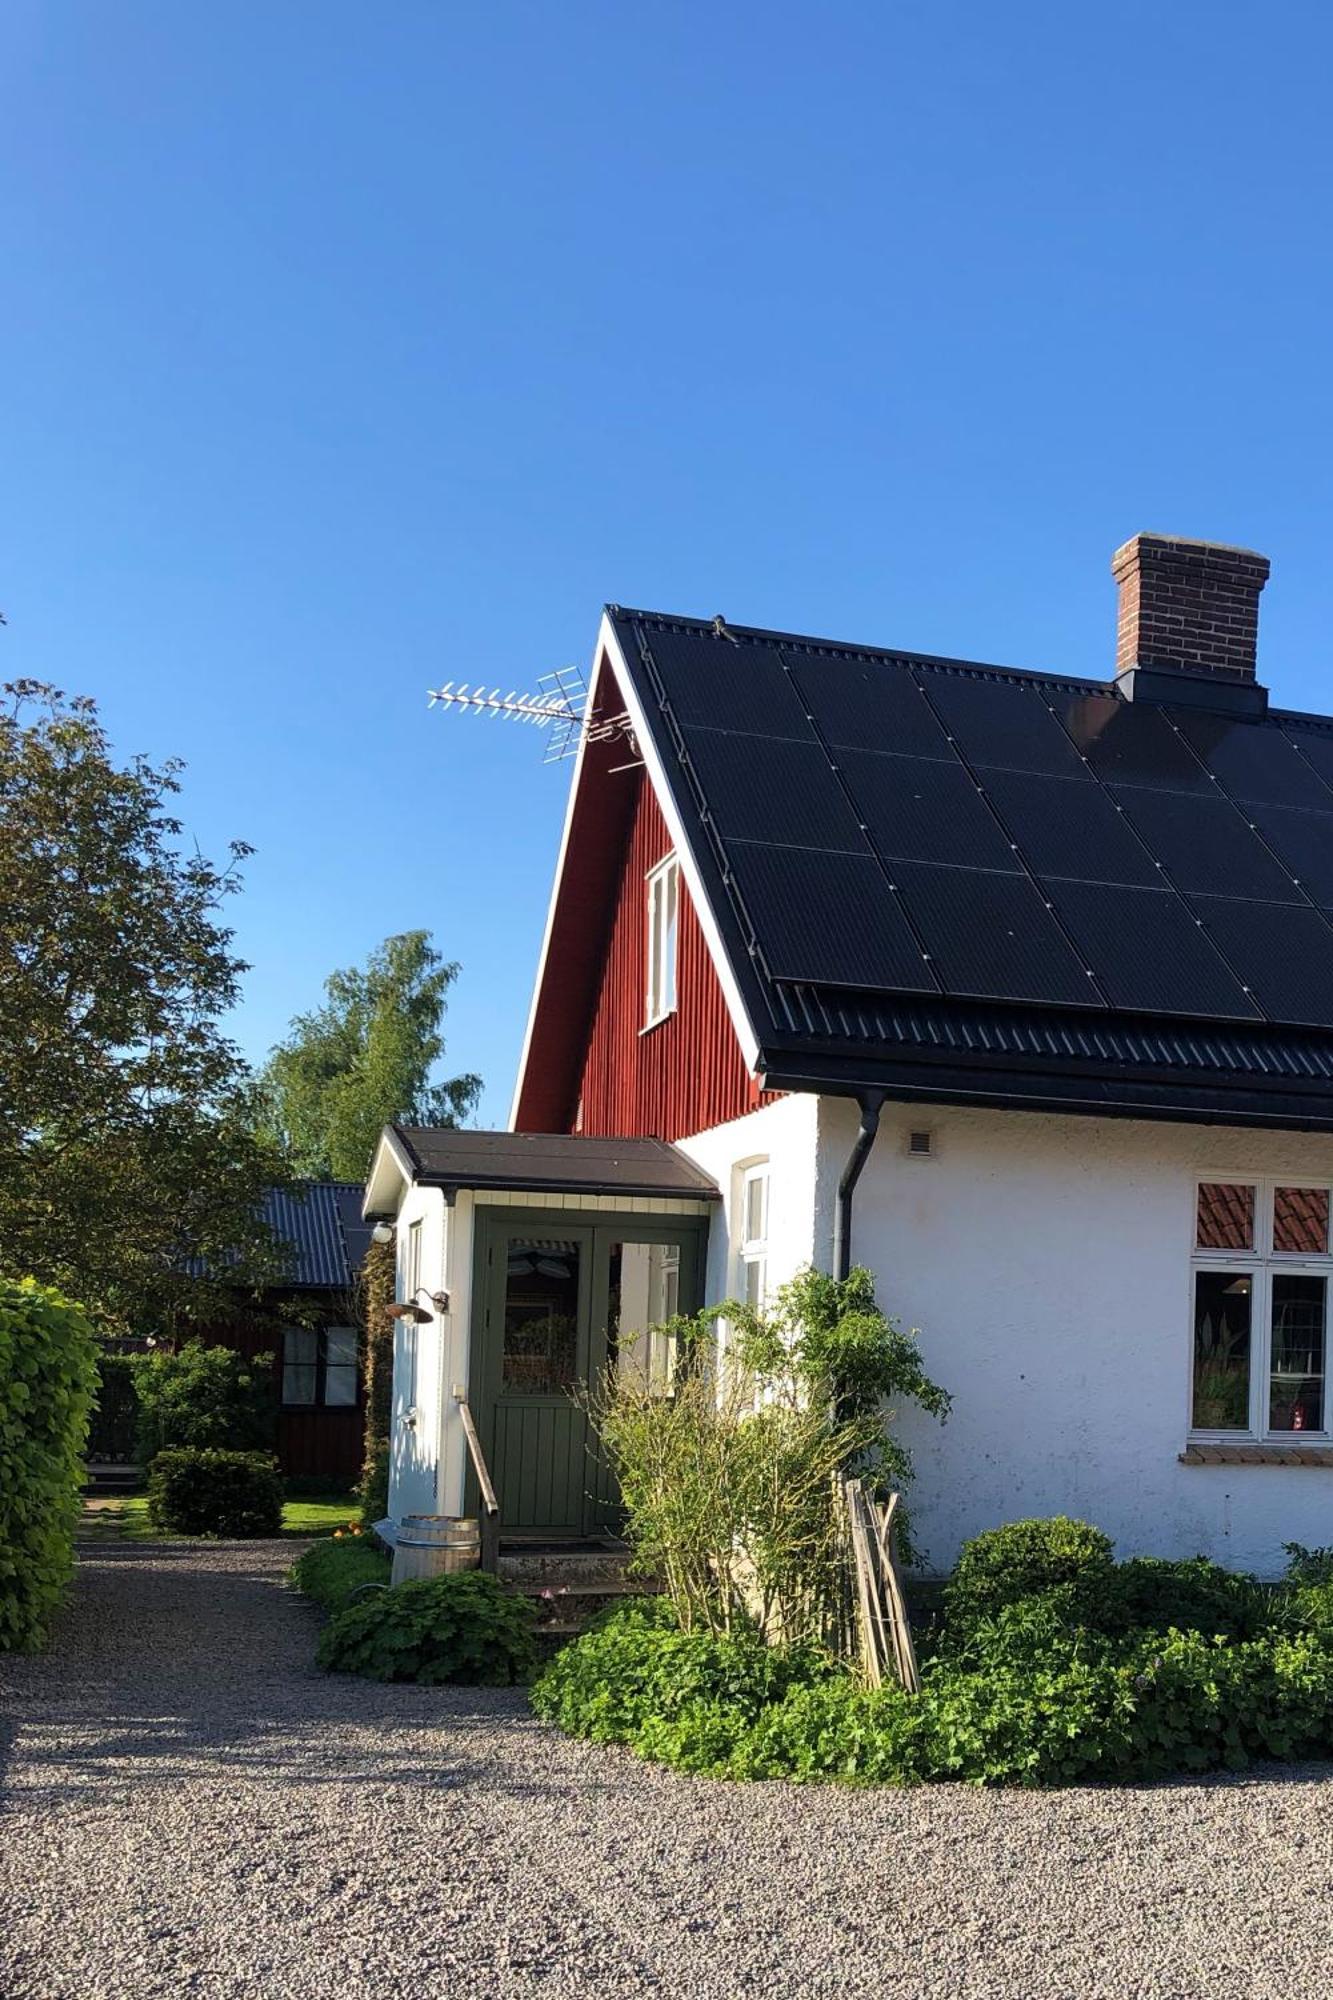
688,1072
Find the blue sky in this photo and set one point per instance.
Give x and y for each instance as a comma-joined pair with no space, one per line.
346,349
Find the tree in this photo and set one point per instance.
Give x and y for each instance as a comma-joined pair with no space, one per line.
127,1144
364,1059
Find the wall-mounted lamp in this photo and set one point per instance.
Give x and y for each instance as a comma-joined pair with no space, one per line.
382,1232
409,1309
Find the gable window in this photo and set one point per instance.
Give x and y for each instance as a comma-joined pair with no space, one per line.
663,902
319,1367
1262,1268
754,1235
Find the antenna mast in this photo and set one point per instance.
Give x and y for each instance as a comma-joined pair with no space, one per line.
561,707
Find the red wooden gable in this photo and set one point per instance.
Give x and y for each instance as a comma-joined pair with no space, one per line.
590,1065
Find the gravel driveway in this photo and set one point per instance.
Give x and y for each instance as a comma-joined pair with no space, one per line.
187,1807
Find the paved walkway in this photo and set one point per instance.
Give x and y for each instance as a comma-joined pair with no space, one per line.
189,1808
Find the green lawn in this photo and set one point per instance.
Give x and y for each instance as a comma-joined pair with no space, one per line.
309,1515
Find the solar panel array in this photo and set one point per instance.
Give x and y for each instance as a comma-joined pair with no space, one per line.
890,824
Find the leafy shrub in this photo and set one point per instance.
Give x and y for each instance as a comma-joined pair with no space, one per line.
47,1374
1021,1560
373,1491
729,1482
210,1397
461,1627
1053,1704
115,1415
1150,1594
332,1570
236,1494
1306,1566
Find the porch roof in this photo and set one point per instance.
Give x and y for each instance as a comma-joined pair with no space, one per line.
549,1163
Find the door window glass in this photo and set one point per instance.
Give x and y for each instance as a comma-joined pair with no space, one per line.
541,1316
644,1295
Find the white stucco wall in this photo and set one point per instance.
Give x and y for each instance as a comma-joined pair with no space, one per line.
786,1135
414,1433
1047,1263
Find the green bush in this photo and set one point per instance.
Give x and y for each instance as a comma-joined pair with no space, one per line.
47,1374
335,1567
1149,1594
232,1494
1021,1560
209,1397
373,1491
461,1627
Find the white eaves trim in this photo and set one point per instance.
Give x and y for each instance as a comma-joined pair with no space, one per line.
391,1174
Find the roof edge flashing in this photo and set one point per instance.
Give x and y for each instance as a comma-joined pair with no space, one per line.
1168,686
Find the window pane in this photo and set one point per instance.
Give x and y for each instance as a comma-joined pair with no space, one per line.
298,1382
1296,1387
1300,1220
339,1386
541,1317
644,1292
755,1271
756,1202
1222,1302
300,1344
1226,1217
340,1346
669,940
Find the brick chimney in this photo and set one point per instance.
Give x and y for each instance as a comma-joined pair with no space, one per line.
1188,607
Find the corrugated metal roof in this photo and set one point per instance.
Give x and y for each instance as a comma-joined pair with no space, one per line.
322,1223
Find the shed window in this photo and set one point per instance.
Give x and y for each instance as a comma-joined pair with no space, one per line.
1261,1294
663,901
319,1367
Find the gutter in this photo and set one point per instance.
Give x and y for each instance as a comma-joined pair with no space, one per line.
871,1103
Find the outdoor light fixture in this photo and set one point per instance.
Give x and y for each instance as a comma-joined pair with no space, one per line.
409,1309
382,1232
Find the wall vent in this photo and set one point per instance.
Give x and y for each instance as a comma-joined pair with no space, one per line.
921,1145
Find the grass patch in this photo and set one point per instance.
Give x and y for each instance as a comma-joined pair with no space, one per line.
310,1515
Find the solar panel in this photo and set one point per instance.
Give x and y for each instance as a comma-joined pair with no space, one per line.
828,918
1205,842
1000,723
1147,952
1067,826
1131,742
872,703
920,810
761,789
991,937
1315,745
1304,841
1283,954
716,684
1253,761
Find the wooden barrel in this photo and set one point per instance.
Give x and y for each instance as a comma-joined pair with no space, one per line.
433,1545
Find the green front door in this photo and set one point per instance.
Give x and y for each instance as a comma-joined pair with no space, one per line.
558,1301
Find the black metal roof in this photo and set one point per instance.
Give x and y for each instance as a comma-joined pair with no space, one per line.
953,879
321,1220
543,1162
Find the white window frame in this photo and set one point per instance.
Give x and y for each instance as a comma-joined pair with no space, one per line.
752,1252
1262,1264
662,888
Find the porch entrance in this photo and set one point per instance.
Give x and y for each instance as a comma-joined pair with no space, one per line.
559,1300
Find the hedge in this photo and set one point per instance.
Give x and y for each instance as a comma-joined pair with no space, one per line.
236,1494
47,1376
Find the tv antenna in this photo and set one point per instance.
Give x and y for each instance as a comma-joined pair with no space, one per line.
561,707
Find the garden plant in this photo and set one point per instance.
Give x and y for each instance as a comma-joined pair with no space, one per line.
47,1378
235,1494
1052,1665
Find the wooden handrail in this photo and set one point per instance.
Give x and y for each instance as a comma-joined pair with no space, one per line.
490,1506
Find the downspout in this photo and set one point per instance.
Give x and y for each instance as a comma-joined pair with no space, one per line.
871,1102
